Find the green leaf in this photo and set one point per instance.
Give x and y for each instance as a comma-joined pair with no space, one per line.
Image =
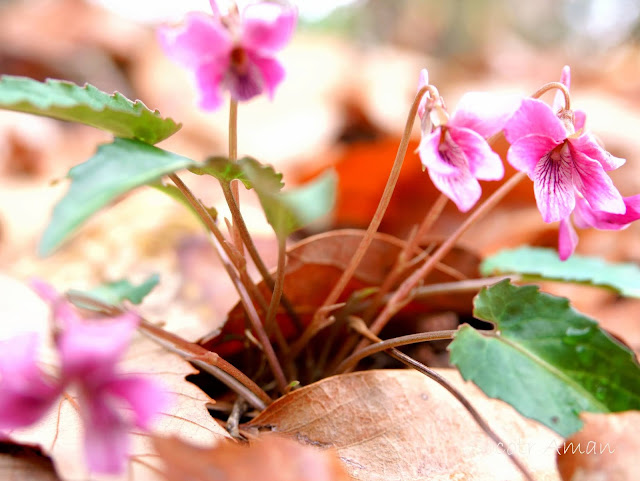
285,211
538,263
244,170
289,211
88,105
547,360
116,168
115,293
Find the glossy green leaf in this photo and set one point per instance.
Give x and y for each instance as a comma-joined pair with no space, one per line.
88,105
115,169
547,360
115,293
539,263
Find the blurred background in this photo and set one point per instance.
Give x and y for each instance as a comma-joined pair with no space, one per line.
352,72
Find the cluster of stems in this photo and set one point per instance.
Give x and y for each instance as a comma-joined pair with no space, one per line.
398,289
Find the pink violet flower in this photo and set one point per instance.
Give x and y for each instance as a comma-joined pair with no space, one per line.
111,403
456,152
235,53
26,393
567,166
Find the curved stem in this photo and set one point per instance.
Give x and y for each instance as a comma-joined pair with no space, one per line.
555,85
348,272
433,375
399,296
239,223
269,323
349,363
224,252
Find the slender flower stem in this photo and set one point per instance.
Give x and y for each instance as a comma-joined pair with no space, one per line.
555,85
410,247
467,285
270,323
433,375
233,156
349,363
347,274
241,226
224,253
256,324
399,296
233,130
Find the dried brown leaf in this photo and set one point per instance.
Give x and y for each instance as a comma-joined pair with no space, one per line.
398,425
269,458
315,264
606,448
18,463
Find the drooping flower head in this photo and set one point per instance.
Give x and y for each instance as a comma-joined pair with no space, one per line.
111,403
566,163
234,53
456,152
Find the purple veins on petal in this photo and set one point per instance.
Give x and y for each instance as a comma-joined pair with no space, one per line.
553,185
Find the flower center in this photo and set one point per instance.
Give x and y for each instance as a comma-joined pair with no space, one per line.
239,60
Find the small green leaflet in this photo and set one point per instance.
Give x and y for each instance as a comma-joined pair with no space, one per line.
291,210
547,360
116,292
245,170
88,105
285,211
538,263
115,169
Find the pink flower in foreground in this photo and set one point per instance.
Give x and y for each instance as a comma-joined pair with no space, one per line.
456,152
111,403
567,168
26,393
234,53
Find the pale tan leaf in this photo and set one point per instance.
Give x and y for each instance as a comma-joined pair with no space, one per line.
399,425
605,449
269,458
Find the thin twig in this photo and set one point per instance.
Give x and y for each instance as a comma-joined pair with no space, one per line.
430,373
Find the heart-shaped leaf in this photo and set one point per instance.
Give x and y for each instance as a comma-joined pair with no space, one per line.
88,105
547,360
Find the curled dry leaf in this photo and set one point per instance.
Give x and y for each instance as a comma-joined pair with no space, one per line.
59,433
315,264
268,458
400,426
18,463
606,448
